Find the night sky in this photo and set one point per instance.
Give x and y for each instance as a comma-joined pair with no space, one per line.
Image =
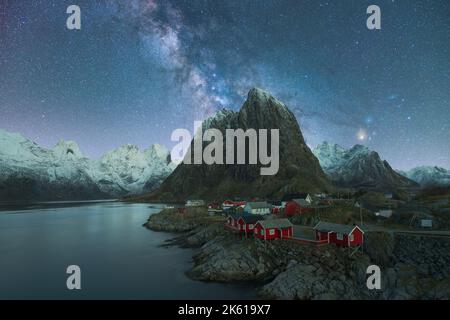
137,70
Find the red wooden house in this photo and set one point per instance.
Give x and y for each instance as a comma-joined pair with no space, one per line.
273,229
339,234
297,207
276,210
232,221
182,210
233,204
214,206
246,223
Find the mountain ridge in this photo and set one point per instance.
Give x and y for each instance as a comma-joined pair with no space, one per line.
31,172
359,167
428,176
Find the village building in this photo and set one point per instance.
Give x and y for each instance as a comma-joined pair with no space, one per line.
273,229
214,208
426,223
195,203
259,208
232,221
278,207
214,205
246,223
325,202
232,204
290,196
384,214
341,235
298,207
307,197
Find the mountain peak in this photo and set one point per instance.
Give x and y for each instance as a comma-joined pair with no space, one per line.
67,149
262,110
260,97
358,167
258,93
429,176
157,151
358,148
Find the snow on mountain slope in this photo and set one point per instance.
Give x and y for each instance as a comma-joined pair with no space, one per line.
329,155
16,149
429,176
128,170
358,167
30,172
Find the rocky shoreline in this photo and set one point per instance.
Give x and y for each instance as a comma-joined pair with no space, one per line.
412,267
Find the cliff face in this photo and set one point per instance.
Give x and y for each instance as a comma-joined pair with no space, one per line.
299,170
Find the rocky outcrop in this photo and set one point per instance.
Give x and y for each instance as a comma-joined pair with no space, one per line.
412,267
169,220
294,271
226,260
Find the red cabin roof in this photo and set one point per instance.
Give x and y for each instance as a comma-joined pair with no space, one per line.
334,227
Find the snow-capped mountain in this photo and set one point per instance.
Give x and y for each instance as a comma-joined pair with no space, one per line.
428,176
358,167
127,170
330,155
30,172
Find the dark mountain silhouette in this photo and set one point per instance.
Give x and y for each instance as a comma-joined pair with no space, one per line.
299,170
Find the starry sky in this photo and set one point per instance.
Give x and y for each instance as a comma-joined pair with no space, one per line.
138,69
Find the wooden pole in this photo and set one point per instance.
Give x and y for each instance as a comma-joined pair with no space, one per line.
360,214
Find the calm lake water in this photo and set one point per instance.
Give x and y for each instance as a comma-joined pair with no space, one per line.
119,259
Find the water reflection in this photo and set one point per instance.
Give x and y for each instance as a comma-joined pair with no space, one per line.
118,257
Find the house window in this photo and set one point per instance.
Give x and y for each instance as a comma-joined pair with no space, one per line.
351,237
271,232
339,236
262,232
250,226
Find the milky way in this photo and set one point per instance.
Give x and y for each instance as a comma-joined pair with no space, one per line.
137,70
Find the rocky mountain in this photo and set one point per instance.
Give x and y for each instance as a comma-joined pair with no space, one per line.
359,167
298,171
428,176
30,172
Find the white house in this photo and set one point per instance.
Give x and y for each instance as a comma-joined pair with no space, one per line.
384,213
195,203
261,208
426,223
307,197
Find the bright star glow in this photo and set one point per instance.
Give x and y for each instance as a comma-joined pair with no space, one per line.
362,135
